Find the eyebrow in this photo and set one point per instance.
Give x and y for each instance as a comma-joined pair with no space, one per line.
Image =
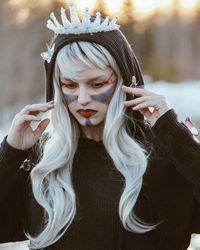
90,80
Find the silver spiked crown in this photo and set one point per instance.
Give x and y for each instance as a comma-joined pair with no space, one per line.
77,26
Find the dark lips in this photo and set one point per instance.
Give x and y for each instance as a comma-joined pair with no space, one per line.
86,112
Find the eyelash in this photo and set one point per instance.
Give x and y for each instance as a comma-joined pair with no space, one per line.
67,85
100,83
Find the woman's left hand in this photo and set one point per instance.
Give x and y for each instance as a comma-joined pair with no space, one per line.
147,99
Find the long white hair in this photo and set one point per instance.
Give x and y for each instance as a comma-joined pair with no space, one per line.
51,177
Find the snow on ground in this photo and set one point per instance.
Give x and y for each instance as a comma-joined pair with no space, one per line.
184,97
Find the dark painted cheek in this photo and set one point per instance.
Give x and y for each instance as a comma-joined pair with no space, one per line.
105,96
70,98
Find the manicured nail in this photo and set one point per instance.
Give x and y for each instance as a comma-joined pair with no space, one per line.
133,84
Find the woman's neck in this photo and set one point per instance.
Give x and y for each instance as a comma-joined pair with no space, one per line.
93,132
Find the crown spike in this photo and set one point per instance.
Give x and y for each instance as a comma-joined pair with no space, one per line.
51,25
97,19
113,22
55,20
65,21
86,16
73,14
106,21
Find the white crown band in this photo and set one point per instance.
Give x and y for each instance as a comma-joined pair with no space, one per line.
76,26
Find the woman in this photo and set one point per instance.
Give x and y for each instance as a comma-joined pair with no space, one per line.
100,177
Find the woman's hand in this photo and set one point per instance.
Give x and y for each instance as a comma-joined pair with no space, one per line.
147,99
21,135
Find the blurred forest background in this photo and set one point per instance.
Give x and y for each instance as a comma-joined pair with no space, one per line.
164,34
166,40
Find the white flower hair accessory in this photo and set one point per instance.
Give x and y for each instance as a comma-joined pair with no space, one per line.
76,26
48,55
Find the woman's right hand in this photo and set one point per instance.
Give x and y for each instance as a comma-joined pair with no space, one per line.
21,135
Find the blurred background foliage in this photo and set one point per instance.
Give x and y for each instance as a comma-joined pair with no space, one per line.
165,39
164,35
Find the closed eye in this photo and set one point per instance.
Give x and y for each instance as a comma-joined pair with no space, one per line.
69,85
98,85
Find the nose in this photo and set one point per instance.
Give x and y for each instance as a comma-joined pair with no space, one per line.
84,97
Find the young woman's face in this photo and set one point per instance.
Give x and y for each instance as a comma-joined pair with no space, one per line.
89,96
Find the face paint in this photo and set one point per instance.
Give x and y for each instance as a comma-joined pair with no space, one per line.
87,113
89,107
105,96
70,98
88,122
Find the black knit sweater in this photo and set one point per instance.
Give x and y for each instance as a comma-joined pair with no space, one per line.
170,195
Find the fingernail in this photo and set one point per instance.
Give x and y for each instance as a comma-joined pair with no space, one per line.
133,82
50,104
132,85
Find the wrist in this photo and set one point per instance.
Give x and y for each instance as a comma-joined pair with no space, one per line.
12,144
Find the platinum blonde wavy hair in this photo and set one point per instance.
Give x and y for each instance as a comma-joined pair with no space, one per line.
51,177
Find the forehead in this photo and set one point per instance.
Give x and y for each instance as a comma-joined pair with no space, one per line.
87,73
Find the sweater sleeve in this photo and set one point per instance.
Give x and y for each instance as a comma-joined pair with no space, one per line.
12,193
184,152
180,145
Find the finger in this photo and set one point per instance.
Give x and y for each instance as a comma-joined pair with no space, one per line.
148,115
41,127
137,101
37,108
142,105
137,91
28,118
145,112
41,110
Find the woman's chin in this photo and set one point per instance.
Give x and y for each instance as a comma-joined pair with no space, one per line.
90,122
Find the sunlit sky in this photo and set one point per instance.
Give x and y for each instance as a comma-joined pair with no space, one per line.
142,7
